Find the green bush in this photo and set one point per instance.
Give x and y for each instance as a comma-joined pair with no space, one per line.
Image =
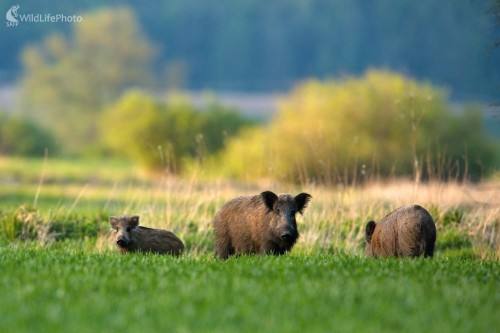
167,135
19,136
452,238
383,124
26,223
219,124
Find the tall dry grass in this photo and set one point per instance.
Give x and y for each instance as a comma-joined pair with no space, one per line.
463,214
466,215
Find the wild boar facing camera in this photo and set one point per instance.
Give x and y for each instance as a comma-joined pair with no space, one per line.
130,237
259,224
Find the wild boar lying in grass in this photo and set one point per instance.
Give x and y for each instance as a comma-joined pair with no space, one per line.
406,232
259,224
130,237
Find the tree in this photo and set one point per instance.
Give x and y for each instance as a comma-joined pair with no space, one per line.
68,81
251,45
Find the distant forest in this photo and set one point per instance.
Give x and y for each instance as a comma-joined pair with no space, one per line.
254,45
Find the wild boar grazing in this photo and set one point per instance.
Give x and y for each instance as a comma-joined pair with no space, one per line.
406,232
130,237
259,224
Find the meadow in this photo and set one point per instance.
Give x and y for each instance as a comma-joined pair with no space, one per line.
61,274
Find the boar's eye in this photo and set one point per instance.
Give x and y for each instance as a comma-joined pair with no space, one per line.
129,229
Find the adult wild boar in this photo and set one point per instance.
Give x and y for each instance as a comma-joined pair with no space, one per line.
259,224
130,237
406,232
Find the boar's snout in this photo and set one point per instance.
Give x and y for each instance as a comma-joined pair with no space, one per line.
289,236
122,241
286,236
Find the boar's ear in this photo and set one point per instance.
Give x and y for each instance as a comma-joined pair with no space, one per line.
302,200
134,220
269,199
113,220
370,228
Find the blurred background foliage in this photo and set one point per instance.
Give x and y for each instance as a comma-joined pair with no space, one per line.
68,81
380,125
20,137
269,46
114,85
166,136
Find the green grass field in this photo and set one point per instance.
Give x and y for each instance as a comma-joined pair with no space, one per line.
68,290
59,272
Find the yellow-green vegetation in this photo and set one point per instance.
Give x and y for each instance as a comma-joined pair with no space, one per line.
167,136
359,129
68,80
76,204
352,130
60,273
362,146
21,137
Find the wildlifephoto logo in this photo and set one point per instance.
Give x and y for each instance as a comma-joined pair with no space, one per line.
14,18
11,16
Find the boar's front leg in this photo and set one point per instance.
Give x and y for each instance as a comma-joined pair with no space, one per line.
271,248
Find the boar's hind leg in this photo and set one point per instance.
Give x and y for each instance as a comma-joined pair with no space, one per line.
223,248
429,249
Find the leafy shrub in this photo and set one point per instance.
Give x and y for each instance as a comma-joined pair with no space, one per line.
74,226
447,217
26,223
19,136
380,125
452,238
165,136
219,124
452,216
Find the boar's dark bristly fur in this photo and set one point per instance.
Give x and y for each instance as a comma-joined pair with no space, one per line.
406,232
130,237
259,224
